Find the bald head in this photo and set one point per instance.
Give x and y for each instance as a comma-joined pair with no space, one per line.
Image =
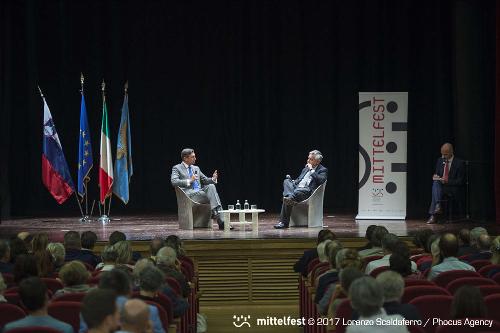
447,151
484,242
135,316
448,245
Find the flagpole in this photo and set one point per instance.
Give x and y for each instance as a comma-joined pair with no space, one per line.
82,79
104,219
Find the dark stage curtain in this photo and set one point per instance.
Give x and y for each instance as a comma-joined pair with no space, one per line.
252,86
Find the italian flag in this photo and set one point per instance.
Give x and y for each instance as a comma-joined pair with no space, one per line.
106,164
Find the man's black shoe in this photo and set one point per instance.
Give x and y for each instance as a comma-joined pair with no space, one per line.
280,225
220,222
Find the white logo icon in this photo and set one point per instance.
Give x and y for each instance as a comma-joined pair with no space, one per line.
241,320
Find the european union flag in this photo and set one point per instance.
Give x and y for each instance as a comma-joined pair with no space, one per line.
123,165
85,161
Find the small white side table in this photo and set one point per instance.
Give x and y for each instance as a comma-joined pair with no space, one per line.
241,212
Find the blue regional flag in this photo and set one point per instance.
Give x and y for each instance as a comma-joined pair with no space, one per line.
85,161
123,165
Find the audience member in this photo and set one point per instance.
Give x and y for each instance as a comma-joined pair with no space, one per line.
495,257
179,304
17,247
376,242
464,247
58,254
118,236
344,258
322,254
88,240
124,251
484,247
401,264
74,277
346,277
435,258
390,244
100,311
119,281
3,286
367,298
25,266
135,317
33,294
109,257
468,303
309,255
43,257
368,235
156,244
5,264
330,276
421,238
474,237
448,249
176,243
393,286
165,260
26,237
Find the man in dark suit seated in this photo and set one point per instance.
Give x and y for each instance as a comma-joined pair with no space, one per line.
448,180
313,175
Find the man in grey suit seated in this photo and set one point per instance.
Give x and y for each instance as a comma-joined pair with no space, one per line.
313,175
196,185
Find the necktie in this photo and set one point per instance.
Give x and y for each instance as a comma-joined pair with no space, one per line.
195,184
446,170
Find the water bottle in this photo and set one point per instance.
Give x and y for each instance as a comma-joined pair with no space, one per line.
245,205
238,205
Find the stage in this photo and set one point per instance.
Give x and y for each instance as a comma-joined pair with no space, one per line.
145,227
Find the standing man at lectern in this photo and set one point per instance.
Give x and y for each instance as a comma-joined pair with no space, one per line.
448,180
196,185
313,175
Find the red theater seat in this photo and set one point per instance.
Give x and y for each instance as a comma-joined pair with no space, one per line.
478,264
418,282
344,311
432,306
70,297
483,271
379,270
493,306
454,285
416,291
9,313
444,278
489,290
68,312
462,328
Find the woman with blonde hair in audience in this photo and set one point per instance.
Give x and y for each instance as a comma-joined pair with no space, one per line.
43,257
58,254
124,251
74,276
109,257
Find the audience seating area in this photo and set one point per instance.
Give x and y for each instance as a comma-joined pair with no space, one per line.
66,306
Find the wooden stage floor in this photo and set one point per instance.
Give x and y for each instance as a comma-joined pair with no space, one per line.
146,227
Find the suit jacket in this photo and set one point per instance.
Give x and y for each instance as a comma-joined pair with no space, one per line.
180,175
301,264
483,255
318,177
456,175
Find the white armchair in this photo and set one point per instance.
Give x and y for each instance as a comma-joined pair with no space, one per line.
309,213
191,214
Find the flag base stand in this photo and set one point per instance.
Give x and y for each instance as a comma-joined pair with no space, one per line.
85,219
104,219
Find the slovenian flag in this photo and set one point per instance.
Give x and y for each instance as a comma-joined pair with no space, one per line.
55,171
106,164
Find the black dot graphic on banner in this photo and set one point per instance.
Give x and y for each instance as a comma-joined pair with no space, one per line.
391,147
392,107
391,187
